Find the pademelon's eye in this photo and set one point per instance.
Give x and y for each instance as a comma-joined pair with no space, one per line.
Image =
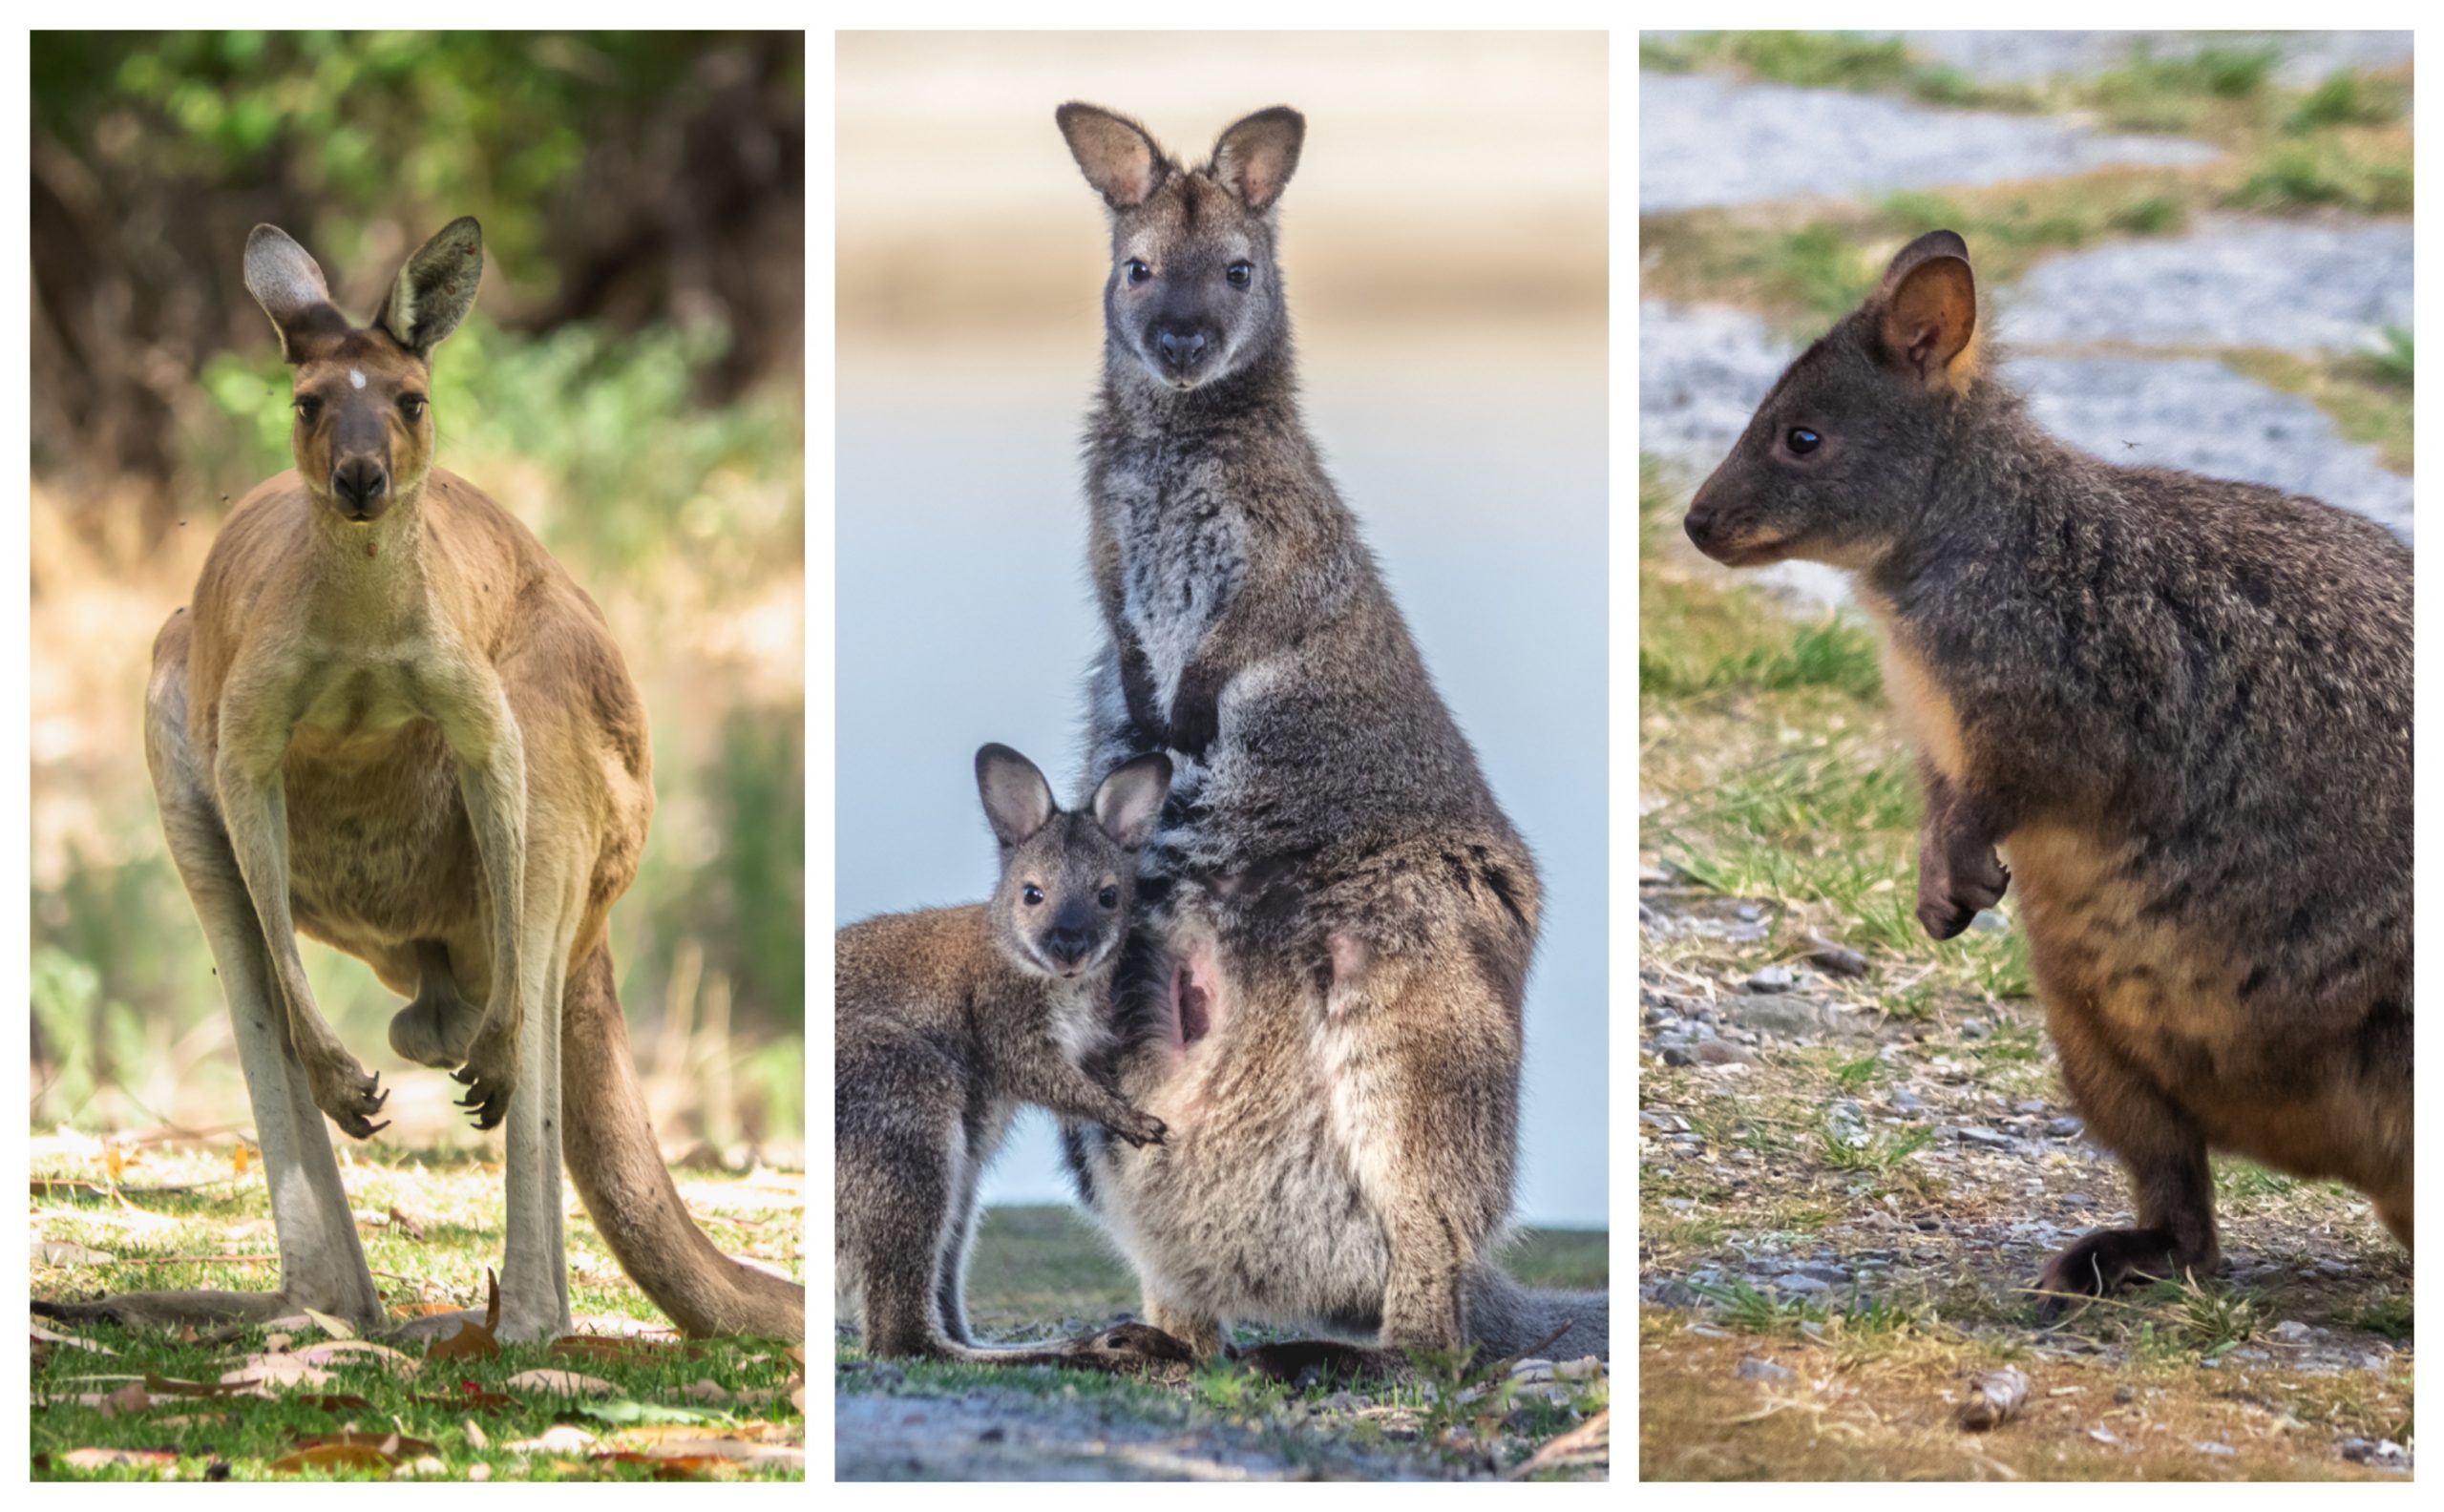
308,406
1138,272
1239,273
412,406
1031,895
1108,898
1801,440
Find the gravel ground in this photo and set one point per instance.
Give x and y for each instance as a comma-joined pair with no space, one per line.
1704,140
2231,282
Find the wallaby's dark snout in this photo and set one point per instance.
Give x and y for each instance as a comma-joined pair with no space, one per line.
363,486
1071,938
1182,347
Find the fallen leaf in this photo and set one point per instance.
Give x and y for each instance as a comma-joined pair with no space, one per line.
626,1411
171,1386
336,1328
331,1456
242,1158
471,1340
52,1253
406,1224
474,1432
390,1445
559,1439
473,1399
105,1458
128,1398
335,1402
267,1371
563,1383
352,1351
591,1345
1992,1398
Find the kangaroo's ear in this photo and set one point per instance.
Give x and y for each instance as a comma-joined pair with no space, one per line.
289,283
1018,802
1928,305
1127,802
436,288
1255,157
1114,153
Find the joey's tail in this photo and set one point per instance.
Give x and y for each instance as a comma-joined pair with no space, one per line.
1507,1318
617,1166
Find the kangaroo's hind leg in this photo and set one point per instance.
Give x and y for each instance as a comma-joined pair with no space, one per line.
322,1265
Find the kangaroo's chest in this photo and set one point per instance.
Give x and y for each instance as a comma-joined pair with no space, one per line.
379,843
1184,552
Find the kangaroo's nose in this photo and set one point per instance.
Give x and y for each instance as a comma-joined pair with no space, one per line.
360,482
1181,349
1068,947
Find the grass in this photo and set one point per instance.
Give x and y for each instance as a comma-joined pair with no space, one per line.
1042,1272
155,1217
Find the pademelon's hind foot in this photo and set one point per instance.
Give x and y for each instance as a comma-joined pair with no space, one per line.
170,1309
2101,1263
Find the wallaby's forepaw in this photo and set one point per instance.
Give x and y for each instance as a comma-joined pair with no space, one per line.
350,1094
1197,715
489,1075
1951,895
1138,1128
1127,1346
2103,1262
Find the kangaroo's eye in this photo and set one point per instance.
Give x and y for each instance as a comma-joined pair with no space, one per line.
412,406
1801,440
1031,895
1239,274
1138,272
308,406
1108,898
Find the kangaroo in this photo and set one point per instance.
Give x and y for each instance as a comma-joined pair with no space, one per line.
950,1019
1322,993
391,721
2179,706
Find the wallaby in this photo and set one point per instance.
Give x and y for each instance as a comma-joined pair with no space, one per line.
2181,710
949,1019
1322,995
392,721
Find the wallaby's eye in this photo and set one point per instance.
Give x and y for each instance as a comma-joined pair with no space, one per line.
1239,273
1138,272
1108,898
308,406
1801,440
411,405
1031,895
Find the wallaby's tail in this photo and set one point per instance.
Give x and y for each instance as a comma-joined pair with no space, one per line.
1507,1318
618,1168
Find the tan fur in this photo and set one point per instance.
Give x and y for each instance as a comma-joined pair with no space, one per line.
389,721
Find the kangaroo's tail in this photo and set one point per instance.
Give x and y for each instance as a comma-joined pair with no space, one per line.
1507,1318
617,1166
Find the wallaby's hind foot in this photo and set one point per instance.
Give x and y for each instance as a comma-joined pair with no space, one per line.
437,1028
2101,1263
170,1310
1125,1346
1324,1362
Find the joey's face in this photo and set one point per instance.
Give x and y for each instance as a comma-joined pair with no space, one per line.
1193,292
1816,476
363,434
1062,904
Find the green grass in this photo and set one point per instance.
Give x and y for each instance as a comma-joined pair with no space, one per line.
186,1217
2327,175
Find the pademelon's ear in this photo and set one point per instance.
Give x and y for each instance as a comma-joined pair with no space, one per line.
1255,157
1018,802
436,287
1928,310
1127,802
289,283
1114,153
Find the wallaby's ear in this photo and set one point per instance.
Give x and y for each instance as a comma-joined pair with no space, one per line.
1929,308
1018,802
436,288
289,283
1255,157
1127,802
1114,153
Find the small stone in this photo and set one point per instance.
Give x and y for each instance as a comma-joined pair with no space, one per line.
1771,980
1657,1118
1905,1101
1706,1331
2064,1127
1832,956
1756,1368
1977,1134
1722,1052
2124,1396
2291,1331
2029,1105
1750,912
1675,1055
1973,1029
2216,1449
1679,1204
2077,1199
1800,1283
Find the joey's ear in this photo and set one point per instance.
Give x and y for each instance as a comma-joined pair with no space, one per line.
436,288
1018,802
1255,157
1127,802
1928,305
1114,153
289,283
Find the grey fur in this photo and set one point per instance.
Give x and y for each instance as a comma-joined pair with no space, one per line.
2180,706
949,1019
1322,995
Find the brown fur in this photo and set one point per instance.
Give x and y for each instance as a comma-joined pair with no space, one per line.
2180,708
